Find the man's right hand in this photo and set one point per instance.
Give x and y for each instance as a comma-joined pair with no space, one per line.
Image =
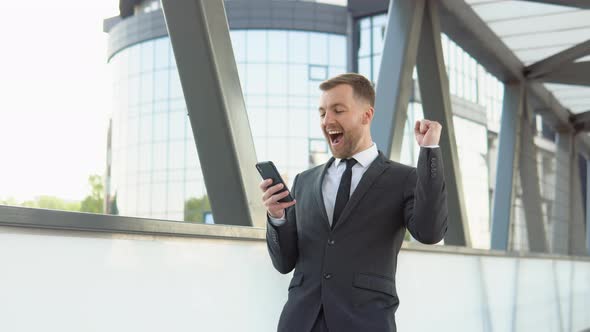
271,199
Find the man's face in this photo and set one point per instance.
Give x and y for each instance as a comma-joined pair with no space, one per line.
343,120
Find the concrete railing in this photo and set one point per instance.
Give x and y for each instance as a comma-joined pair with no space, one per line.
220,278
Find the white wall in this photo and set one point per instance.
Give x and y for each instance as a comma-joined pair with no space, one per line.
81,281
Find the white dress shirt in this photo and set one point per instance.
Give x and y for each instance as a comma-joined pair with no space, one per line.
334,174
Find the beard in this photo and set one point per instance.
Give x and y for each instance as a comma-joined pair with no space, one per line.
346,148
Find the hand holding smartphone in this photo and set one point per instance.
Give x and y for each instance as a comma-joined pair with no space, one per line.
268,170
276,195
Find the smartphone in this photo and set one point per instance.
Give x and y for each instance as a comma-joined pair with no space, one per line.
268,171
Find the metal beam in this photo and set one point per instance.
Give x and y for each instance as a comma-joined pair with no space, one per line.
588,205
209,76
508,152
581,121
577,224
560,223
576,73
577,234
434,84
394,83
530,183
549,64
460,22
353,43
582,4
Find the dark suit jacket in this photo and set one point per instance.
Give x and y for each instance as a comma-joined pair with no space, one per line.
350,270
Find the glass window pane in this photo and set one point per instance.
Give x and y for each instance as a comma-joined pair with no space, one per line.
298,46
337,50
256,79
256,41
319,50
318,73
147,87
147,56
238,41
160,127
162,53
277,46
161,85
276,78
365,43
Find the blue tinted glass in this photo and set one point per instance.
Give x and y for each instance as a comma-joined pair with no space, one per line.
377,35
298,46
257,78
365,67
161,85
177,125
276,78
277,46
147,87
318,73
160,127
238,41
162,53
134,60
256,41
365,43
318,48
147,56
337,50
298,79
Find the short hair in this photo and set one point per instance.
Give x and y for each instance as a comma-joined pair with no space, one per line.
361,86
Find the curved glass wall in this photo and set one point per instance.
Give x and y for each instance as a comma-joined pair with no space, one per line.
155,170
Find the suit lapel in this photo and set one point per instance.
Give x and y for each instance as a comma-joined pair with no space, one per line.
373,172
318,191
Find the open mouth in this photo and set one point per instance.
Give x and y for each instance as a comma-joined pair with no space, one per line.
336,136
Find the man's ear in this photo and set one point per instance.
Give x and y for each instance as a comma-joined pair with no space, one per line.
368,115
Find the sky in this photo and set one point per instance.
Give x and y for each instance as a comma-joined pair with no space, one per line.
55,96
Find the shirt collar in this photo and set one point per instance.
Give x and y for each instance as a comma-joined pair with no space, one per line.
364,158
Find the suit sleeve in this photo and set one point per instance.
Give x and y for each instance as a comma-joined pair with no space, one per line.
282,240
425,198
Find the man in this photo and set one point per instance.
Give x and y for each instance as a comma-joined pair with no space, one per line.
343,232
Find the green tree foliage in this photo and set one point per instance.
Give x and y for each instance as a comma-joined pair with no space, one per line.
51,203
195,207
94,202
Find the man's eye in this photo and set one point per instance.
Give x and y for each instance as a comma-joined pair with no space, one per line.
322,115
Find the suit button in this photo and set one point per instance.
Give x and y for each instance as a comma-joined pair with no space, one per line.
327,275
331,242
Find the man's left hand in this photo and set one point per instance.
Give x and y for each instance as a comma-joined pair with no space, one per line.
427,132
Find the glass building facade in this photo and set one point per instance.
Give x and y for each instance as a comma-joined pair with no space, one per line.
155,169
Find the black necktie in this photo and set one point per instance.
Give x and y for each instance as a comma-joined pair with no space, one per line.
343,190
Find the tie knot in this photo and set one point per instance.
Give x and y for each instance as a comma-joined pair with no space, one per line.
350,162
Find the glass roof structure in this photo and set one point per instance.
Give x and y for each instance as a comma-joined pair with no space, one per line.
537,30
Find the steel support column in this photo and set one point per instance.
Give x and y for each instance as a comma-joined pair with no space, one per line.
588,206
353,38
577,234
208,73
508,150
562,207
394,84
434,84
529,179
